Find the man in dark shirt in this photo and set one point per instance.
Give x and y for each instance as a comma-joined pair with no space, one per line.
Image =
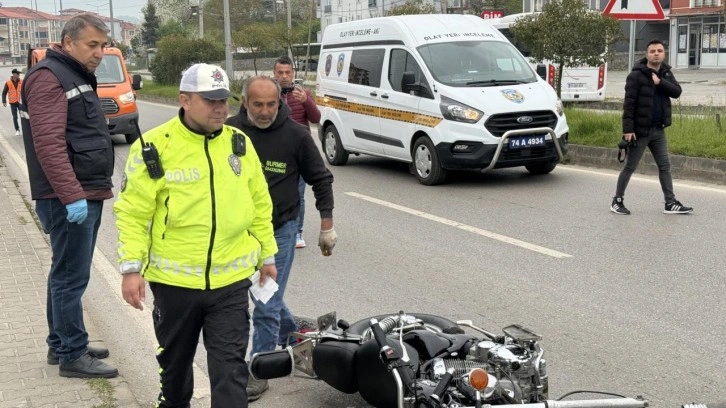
287,152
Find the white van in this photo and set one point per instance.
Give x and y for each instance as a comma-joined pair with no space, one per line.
438,91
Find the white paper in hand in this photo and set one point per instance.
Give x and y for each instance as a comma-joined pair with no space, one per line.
262,293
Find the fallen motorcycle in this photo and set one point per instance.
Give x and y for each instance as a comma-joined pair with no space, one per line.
412,360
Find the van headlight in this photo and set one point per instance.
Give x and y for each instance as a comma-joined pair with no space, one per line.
453,110
128,97
559,108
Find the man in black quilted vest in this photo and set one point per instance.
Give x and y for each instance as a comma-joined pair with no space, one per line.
70,163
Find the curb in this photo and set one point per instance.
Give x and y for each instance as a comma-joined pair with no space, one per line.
682,167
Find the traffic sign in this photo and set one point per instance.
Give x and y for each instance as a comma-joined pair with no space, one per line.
487,14
634,10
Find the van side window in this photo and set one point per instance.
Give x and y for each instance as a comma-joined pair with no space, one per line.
365,67
402,61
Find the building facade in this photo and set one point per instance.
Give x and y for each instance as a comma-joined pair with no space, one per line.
697,34
22,28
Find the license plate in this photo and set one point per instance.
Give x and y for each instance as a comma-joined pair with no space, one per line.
525,141
576,85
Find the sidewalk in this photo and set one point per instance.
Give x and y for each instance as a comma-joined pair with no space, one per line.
26,380
706,87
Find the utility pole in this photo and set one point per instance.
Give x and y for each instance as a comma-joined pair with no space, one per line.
229,65
201,20
110,7
289,26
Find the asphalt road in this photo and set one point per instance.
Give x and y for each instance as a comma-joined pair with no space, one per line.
632,305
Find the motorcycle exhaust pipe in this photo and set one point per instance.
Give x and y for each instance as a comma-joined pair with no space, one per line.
272,364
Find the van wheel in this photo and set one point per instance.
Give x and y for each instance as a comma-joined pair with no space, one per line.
541,168
426,163
334,151
130,138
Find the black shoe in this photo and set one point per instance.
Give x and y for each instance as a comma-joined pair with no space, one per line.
618,207
87,366
96,352
677,208
255,388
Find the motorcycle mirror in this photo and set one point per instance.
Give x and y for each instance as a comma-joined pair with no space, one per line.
469,323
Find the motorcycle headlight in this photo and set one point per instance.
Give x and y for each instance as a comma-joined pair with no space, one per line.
559,108
453,110
128,97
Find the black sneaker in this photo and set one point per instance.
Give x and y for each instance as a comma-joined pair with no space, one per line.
255,388
97,352
87,366
677,208
618,207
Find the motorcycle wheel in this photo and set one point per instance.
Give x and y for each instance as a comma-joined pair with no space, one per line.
433,321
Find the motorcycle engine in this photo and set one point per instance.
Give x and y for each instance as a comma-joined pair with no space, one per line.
517,368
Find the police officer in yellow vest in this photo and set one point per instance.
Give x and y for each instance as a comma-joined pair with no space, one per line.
195,220
11,95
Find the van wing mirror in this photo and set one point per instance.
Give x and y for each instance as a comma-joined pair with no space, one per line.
136,82
542,71
409,84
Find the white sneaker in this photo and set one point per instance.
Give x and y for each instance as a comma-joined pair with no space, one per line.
299,241
17,133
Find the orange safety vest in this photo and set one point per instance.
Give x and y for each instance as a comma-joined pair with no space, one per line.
14,91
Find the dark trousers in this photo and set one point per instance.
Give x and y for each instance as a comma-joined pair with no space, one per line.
72,245
656,141
14,110
222,315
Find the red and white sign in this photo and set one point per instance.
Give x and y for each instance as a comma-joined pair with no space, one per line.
634,10
487,14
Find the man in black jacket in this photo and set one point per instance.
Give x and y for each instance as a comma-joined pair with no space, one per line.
646,113
287,152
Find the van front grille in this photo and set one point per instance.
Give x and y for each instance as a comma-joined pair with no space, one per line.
501,123
109,106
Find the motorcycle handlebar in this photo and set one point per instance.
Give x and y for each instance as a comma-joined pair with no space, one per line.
378,333
595,403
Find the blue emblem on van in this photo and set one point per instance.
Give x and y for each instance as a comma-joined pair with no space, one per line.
341,63
328,64
513,95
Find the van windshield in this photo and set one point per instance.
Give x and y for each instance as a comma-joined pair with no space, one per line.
110,71
476,63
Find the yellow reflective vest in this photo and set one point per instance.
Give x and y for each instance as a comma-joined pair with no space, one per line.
207,223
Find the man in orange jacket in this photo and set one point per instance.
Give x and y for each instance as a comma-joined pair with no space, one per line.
11,94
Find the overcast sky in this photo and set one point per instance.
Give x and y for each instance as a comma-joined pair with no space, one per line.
131,8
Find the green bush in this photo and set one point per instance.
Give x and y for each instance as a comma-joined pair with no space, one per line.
175,54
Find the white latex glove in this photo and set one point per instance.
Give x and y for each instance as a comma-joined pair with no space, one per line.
327,241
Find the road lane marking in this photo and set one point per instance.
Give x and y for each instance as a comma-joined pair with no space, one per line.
465,227
652,179
103,265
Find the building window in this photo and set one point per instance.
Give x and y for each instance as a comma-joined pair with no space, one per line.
3,21
709,41
682,38
372,4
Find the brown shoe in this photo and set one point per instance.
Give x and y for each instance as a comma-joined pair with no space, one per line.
255,389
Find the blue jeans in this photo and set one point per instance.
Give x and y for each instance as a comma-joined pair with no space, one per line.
272,320
301,213
72,245
656,141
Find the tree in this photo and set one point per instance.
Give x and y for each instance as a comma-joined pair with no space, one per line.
173,27
175,54
255,37
150,26
411,7
568,34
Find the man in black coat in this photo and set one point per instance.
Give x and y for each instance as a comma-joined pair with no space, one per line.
287,152
646,114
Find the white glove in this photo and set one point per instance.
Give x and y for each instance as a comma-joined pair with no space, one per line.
327,241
